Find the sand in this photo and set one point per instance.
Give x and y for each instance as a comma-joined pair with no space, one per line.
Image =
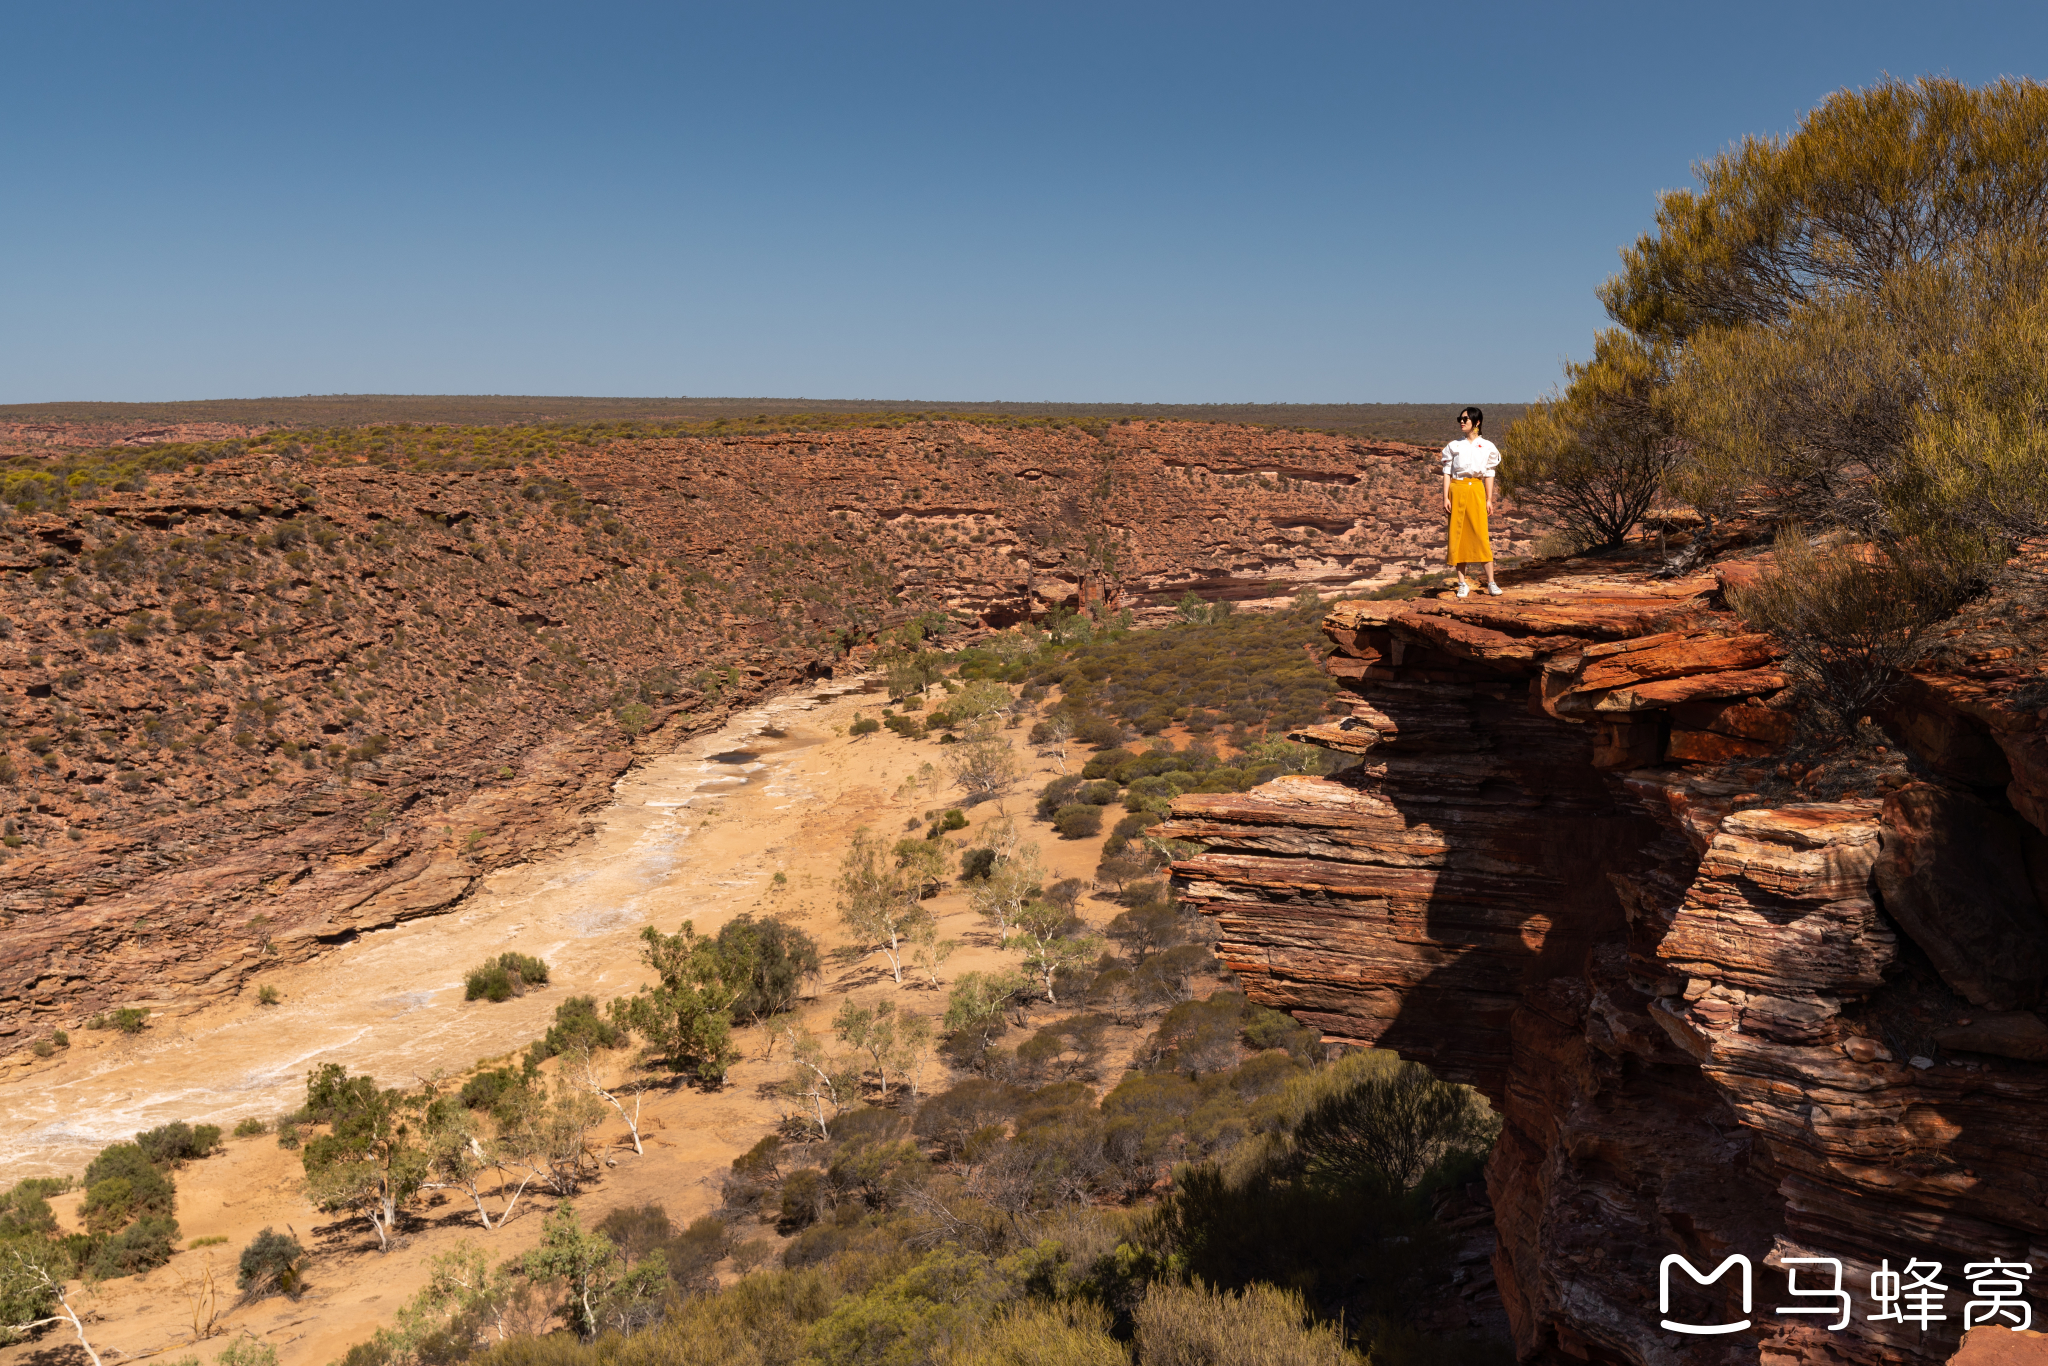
699,834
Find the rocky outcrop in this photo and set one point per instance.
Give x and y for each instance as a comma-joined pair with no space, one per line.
1718,1017
266,693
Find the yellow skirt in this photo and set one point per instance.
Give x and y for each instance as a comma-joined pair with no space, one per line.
1468,523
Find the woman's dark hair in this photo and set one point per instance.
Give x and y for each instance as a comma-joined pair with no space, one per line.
1478,419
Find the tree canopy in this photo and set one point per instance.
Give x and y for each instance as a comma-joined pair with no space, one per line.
1841,326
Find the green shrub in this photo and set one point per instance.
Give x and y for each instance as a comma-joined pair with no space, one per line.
1098,793
977,864
272,1264
487,1089
1391,1130
121,1184
127,1019
1850,622
250,1127
1106,763
909,727
170,1145
1098,731
863,725
503,977
144,1245
1263,1325
954,819
577,1025
767,961
267,995
1077,820
1057,794
25,1210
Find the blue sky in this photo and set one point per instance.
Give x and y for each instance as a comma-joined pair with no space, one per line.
1108,202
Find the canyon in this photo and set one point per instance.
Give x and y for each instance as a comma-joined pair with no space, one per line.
1724,1008
267,691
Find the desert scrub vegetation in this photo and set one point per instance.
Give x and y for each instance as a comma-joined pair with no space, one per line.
1244,674
503,977
1300,1225
272,1264
128,1212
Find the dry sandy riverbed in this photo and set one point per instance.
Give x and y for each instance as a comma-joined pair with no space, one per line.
698,834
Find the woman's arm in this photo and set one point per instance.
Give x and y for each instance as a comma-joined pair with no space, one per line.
1489,495
1447,489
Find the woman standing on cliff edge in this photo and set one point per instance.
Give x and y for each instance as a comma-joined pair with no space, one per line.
1469,465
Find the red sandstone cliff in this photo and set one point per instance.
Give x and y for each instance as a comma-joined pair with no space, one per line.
295,690
1717,1017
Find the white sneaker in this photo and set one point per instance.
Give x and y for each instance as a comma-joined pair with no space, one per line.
1464,589
1493,589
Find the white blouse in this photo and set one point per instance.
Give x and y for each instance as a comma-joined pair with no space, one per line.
1477,458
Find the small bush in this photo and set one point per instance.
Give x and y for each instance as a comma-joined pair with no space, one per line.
1077,820
863,725
272,1264
170,1145
1106,763
1391,1130
1098,793
805,1196
143,1246
769,960
1851,621
577,1025
1099,732
268,995
484,1090
977,864
1261,1326
121,1183
954,819
127,1019
1057,794
506,976
251,1127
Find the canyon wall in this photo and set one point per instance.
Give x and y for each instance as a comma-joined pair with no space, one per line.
264,694
1719,1015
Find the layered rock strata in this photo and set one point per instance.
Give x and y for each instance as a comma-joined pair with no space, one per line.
281,689
1714,1023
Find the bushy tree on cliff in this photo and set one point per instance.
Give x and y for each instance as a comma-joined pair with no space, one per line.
1843,328
1845,325
1595,456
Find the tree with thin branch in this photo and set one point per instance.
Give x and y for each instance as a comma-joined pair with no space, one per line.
41,1278
877,902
